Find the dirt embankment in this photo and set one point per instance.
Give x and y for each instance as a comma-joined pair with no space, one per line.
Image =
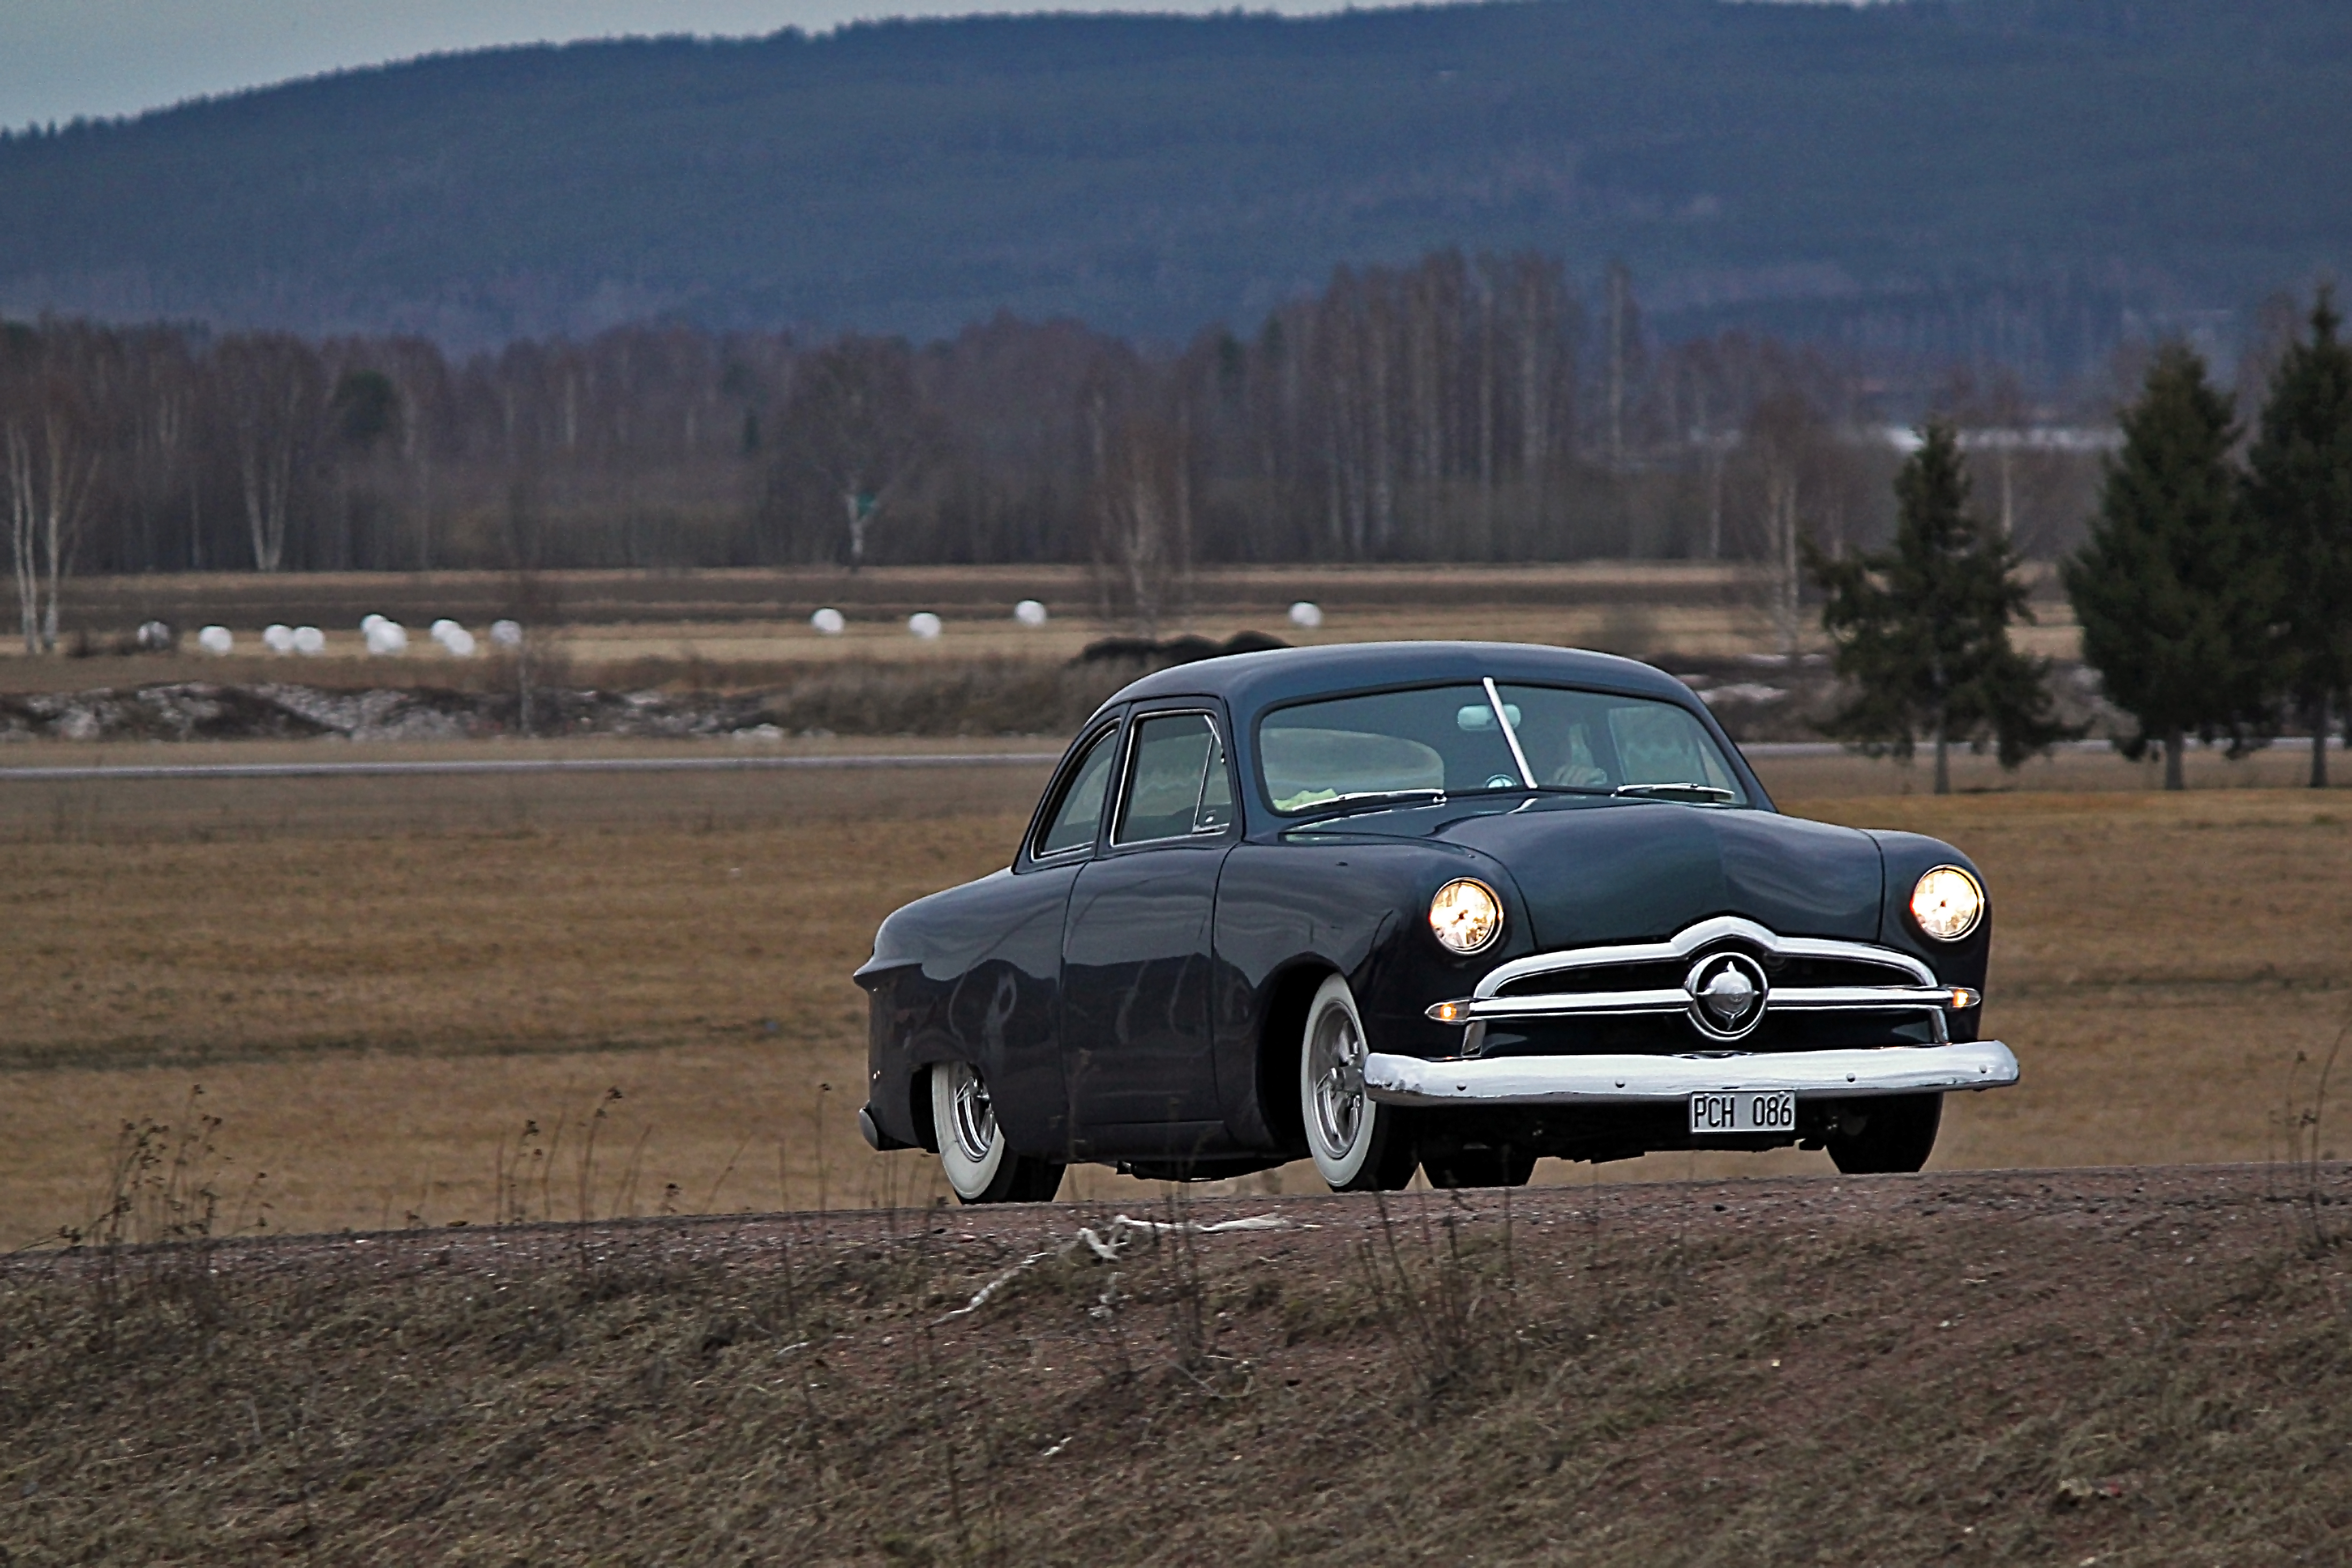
2144,1366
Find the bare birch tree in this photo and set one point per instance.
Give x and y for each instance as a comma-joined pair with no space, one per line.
274,390
857,425
1143,501
45,442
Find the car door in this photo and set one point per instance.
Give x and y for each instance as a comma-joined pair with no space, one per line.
1005,1013
1136,959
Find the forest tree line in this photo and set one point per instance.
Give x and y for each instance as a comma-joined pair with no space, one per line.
2214,588
1478,409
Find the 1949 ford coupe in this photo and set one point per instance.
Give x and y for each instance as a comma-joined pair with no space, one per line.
1453,907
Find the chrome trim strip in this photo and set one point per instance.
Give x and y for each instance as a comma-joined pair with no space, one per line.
1652,1080
1563,1004
1689,940
1865,997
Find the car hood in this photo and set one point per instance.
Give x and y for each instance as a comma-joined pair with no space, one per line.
1628,870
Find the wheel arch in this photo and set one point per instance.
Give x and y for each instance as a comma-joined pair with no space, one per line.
1280,1039
919,1107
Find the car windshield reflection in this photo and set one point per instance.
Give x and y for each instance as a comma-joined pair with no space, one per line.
1347,753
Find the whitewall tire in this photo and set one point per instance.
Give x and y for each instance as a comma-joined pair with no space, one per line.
973,1156
1358,1144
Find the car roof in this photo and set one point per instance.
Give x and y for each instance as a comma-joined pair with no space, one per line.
1251,682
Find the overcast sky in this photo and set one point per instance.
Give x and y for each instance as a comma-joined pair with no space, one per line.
60,58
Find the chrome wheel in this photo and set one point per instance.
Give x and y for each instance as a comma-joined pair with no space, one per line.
1357,1143
1336,1059
974,1118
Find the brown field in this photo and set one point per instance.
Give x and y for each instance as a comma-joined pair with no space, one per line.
379,983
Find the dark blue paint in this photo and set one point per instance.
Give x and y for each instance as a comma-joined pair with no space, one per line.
1127,1006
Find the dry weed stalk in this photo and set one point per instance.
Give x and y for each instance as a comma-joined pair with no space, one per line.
151,1243
1454,1325
2303,1122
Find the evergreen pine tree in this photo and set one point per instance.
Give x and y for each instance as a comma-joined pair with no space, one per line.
2299,488
1922,629
2173,592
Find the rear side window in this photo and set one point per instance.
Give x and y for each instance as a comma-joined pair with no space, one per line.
1179,784
1078,817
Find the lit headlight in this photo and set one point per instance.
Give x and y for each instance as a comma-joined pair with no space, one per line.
1465,915
1946,902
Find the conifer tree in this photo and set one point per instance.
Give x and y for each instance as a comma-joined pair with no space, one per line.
2299,488
1922,629
2172,589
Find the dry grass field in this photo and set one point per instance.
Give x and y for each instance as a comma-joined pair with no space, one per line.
407,999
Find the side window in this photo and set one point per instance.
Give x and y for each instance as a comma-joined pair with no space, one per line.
1075,820
1178,785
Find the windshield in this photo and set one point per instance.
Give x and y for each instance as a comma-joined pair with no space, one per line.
1447,740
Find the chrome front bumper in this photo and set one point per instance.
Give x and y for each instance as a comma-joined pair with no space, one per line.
1660,1080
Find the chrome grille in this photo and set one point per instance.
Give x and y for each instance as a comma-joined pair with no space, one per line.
1830,986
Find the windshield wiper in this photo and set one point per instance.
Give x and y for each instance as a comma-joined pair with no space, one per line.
1375,796
1708,792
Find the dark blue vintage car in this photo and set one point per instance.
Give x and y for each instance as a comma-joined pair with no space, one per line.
1445,906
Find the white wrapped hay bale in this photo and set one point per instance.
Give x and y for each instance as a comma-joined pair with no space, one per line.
216,640
1307,616
829,622
386,639
1029,612
507,633
278,639
924,626
460,643
309,641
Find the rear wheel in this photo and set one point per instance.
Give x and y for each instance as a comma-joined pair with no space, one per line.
1877,1137
973,1153
1480,1168
1359,1144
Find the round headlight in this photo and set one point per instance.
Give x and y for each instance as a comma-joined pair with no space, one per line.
1465,915
1946,902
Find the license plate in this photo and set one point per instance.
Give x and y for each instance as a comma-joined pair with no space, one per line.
1746,1111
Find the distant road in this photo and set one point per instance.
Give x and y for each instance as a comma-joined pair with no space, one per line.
389,769
1766,749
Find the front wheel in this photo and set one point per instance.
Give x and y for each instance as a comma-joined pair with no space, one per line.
1885,1136
1359,1144
973,1153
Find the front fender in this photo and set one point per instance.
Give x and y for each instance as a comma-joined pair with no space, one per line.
1291,911
1963,963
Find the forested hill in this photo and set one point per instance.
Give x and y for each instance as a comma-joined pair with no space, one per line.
2018,178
